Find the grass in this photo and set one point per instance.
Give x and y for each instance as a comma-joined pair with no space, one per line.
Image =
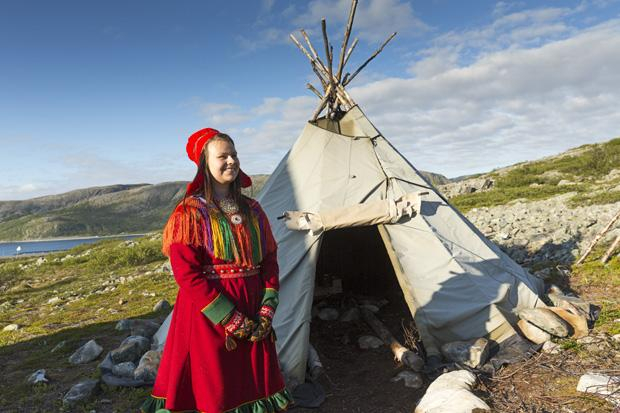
539,180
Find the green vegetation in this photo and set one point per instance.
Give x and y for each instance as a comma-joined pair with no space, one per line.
539,180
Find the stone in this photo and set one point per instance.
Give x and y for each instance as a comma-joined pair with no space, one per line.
616,338
578,322
451,392
547,320
40,261
38,377
138,327
87,353
473,353
115,381
550,347
130,349
600,384
573,304
162,305
368,342
328,314
82,391
53,300
533,333
147,368
105,367
165,268
352,314
11,327
412,380
124,369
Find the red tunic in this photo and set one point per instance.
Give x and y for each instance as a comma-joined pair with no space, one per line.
197,372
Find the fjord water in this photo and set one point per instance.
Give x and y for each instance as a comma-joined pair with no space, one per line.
18,248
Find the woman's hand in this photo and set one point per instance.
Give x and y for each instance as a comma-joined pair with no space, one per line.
238,325
263,328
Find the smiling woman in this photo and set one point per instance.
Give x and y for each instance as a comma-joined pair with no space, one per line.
220,354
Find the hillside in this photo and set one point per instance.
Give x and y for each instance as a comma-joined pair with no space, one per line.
108,210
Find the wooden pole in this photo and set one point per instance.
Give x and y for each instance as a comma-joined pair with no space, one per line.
314,90
611,250
322,104
346,58
401,353
345,40
379,50
312,49
597,238
330,76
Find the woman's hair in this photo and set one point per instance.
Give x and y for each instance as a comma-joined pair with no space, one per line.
207,189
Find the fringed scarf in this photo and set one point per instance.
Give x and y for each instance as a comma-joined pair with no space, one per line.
198,224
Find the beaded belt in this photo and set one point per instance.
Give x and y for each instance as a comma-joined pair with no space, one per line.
219,271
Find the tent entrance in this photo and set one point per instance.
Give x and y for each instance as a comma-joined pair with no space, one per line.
354,261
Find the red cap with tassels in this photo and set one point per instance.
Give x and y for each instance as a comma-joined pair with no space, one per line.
194,147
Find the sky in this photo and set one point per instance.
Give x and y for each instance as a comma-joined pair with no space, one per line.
97,93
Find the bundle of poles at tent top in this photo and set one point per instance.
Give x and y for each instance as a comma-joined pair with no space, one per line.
334,97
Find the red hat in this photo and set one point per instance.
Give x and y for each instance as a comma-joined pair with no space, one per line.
194,147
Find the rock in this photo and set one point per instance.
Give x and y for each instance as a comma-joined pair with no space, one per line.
368,342
546,320
138,327
53,300
82,391
600,384
573,304
124,369
165,268
11,327
473,353
550,347
87,353
130,349
451,392
105,367
38,377
411,379
565,182
578,323
352,314
616,338
162,305
147,368
328,314
40,261
115,381
533,333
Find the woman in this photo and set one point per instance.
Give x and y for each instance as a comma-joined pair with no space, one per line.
220,354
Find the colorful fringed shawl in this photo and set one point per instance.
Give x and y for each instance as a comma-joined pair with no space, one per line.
196,223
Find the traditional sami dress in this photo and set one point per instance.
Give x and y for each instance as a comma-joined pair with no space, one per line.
219,266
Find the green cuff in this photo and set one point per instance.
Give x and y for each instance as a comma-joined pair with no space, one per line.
270,298
217,309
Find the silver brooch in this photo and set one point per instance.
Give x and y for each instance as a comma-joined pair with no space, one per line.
236,219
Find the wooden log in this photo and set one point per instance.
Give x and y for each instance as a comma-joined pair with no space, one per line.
401,353
314,90
597,238
345,40
379,50
611,250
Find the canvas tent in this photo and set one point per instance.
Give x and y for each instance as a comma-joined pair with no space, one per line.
341,173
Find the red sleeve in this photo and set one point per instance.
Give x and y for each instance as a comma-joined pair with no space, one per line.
187,269
270,271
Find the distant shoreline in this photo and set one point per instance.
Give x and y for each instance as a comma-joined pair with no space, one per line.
102,237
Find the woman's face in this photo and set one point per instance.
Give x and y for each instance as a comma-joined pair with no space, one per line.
222,161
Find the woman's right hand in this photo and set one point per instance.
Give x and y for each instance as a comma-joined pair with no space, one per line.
238,325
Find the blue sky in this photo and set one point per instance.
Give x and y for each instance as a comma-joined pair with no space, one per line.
99,93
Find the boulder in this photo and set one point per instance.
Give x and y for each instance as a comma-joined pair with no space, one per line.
147,368
473,353
37,377
130,349
411,379
547,320
124,369
368,342
81,391
162,305
451,392
600,384
115,381
578,323
138,327
87,353
533,333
